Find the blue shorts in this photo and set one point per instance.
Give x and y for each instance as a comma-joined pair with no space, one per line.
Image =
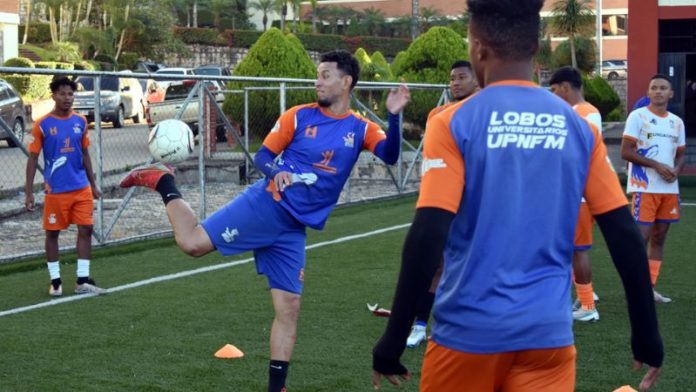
254,221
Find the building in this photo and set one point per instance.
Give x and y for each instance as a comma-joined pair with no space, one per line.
664,43
9,29
614,17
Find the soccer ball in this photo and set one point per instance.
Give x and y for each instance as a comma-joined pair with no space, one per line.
171,141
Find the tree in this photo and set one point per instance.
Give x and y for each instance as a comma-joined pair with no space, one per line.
585,54
273,55
295,5
373,19
26,22
265,7
281,8
427,16
428,60
314,4
572,18
414,18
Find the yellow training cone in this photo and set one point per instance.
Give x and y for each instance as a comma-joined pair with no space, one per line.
229,351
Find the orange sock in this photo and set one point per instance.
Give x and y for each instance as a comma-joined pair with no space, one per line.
584,293
654,270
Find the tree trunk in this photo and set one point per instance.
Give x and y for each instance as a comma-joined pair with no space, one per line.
195,14
26,22
52,25
264,21
573,59
89,9
123,34
283,15
414,19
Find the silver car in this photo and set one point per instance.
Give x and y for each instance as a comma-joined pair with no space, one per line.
614,69
12,112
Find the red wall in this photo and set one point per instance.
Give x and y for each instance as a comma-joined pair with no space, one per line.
642,47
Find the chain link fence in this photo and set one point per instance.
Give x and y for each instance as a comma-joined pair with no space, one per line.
230,124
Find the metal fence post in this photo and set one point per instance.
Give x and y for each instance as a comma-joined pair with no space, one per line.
202,137
246,132
99,233
282,97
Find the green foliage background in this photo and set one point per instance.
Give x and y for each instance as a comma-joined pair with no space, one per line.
428,60
585,52
273,55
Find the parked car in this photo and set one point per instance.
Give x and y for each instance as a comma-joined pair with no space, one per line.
148,66
614,69
12,112
121,98
213,70
163,81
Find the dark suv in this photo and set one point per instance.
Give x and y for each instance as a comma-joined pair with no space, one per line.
12,112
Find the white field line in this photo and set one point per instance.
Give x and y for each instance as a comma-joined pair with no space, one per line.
184,274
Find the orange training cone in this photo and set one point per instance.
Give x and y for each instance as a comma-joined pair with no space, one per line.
229,351
625,388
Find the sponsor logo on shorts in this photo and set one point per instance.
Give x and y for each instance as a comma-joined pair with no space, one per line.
52,219
229,235
674,211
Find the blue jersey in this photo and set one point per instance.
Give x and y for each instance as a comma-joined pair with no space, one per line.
315,142
512,162
62,140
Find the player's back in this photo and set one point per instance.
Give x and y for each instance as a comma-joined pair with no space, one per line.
507,273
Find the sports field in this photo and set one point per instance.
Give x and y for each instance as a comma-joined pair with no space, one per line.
160,335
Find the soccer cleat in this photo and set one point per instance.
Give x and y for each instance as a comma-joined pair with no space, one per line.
416,337
586,315
55,292
146,175
661,299
577,305
90,287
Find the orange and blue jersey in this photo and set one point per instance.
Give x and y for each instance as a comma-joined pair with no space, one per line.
62,140
314,141
512,163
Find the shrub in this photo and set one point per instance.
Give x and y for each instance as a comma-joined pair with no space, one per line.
19,62
322,42
240,38
585,53
273,55
39,33
30,87
201,36
428,60
84,66
64,66
381,63
45,64
600,94
616,115
128,60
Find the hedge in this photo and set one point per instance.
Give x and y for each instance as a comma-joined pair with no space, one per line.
30,87
64,66
600,94
38,33
19,62
45,64
84,66
312,42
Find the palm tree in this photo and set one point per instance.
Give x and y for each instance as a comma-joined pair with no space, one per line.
281,7
26,22
572,18
266,7
414,19
428,15
314,4
373,19
295,5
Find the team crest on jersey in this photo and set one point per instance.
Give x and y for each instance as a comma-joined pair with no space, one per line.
229,235
53,131
349,140
77,128
310,132
653,121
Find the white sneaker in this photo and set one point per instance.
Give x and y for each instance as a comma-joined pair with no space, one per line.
55,292
89,288
586,315
661,299
576,304
416,337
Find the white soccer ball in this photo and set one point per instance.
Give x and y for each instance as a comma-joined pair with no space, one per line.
171,141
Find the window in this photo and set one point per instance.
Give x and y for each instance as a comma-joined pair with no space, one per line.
613,25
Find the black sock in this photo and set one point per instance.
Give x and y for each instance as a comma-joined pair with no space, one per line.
425,305
167,189
82,279
277,372
56,283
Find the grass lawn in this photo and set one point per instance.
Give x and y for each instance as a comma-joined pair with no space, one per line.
162,336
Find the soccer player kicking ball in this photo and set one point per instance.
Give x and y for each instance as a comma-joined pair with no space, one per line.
462,84
504,173
68,182
566,82
654,145
320,143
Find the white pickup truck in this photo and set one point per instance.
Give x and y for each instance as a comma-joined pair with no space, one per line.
174,98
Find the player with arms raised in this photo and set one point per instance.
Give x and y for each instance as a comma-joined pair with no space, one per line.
320,143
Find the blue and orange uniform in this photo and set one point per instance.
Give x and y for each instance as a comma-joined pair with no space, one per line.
503,297
68,192
313,145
